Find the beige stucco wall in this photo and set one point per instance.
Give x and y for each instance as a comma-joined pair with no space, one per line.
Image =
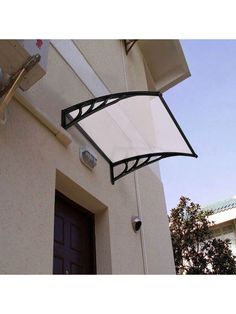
33,164
156,233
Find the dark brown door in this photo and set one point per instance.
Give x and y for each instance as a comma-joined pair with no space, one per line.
74,240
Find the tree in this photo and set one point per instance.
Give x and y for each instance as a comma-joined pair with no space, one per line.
195,251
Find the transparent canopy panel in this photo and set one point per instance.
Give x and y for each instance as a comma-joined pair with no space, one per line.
126,126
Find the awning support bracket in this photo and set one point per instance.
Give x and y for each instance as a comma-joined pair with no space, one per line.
93,105
135,163
129,44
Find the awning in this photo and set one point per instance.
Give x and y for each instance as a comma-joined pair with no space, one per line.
130,129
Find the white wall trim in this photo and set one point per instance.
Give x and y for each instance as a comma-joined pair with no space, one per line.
80,66
61,134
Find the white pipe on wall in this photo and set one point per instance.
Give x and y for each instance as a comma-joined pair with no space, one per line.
137,191
139,210
62,136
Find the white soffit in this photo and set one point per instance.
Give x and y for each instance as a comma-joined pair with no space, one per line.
165,61
223,216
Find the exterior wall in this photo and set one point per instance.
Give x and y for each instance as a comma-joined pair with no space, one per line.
156,220
26,189
225,230
33,164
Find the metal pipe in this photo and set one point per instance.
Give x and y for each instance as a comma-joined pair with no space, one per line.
14,83
138,199
139,210
10,94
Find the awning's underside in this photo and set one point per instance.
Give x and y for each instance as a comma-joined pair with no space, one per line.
130,129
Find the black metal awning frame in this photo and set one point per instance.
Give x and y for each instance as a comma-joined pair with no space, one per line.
131,164
129,43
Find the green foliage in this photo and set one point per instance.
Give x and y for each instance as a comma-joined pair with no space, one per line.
195,251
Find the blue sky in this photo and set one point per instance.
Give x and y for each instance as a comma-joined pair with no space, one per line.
205,107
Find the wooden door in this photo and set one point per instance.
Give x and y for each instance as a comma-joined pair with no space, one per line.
74,238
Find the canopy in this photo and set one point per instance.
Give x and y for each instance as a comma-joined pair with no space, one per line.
131,129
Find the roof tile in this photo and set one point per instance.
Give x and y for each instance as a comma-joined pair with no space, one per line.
221,205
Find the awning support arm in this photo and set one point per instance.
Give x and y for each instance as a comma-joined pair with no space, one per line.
129,44
137,162
91,106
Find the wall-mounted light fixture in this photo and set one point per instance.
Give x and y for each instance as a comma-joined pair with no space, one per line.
88,157
136,223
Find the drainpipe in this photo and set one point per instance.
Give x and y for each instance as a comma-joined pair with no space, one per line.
139,210
61,135
137,191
